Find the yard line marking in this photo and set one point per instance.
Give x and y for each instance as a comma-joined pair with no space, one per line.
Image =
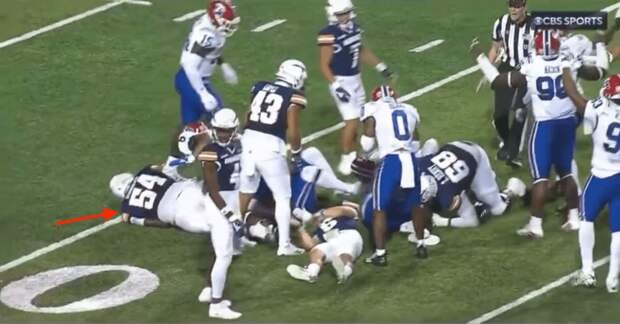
309,138
139,2
66,21
426,46
189,15
611,8
268,25
59,244
532,294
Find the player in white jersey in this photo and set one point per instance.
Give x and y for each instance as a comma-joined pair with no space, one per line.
201,54
391,124
602,121
553,139
151,198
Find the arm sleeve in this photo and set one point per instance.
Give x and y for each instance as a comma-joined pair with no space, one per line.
207,156
495,33
590,117
299,99
325,38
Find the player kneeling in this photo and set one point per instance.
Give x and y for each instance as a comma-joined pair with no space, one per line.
336,241
151,198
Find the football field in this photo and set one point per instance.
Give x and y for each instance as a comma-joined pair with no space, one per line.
94,96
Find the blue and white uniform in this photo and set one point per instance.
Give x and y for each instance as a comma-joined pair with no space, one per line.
396,215
345,65
602,121
552,142
394,126
199,58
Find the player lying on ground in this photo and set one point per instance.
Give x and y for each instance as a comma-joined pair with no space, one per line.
601,121
451,174
151,198
201,54
552,142
309,171
335,240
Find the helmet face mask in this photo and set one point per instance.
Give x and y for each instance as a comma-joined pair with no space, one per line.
383,93
292,72
547,43
224,126
222,16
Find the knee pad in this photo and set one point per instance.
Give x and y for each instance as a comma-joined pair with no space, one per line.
309,173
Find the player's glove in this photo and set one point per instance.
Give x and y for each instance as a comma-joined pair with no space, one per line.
237,223
342,94
208,101
229,74
227,212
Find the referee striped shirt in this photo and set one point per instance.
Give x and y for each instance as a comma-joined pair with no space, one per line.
515,38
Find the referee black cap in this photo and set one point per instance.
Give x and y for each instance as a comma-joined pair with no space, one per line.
516,3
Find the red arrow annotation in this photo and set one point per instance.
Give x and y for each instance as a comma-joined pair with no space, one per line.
105,213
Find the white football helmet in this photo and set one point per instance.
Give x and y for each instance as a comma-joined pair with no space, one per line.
120,183
337,7
428,188
292,72
224,120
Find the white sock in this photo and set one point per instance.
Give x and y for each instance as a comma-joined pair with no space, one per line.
535,222
441,221
575,174
218,275
313,156
573,215
283,219
330,181
614,259
313,269
380,252
464,222
586,245
136,221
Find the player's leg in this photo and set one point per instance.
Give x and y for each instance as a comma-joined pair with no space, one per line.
190,208
350,112
592,201
327,180
516,129
564,147
249,180
466,215
614,226
347,247
501,117
319,254
484,185
276,176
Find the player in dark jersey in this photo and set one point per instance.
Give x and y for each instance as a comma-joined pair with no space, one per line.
335,240
457,168
272,121
150,198
341,51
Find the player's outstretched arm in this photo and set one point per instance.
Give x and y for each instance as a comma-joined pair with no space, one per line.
570,88
504,80
601,67
305,240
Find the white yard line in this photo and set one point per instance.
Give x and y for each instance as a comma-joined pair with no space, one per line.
532,294
612,7
67,21
268,25
426,46
59,244
189,15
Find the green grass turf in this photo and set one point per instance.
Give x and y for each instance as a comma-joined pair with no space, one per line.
96,98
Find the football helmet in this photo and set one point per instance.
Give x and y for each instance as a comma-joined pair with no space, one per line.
222,16
428,188
119,184
547,43
383,92
338,7
363,169
292,72
611,88
224,126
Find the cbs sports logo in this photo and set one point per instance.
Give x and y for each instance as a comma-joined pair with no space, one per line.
571,20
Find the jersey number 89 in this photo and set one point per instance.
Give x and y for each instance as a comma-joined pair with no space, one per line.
455,169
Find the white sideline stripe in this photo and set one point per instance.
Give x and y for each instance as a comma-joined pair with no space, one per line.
268,25
67,21
139,2
189,15
532,294
321,133
59,244
426,46
612,7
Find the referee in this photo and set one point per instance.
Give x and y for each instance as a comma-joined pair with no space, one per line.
512,32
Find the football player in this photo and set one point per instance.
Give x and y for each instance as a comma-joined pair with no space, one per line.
341,50
151,198
553,138
458,168
201,55
335,240
601,121
272,121
391,125
310,170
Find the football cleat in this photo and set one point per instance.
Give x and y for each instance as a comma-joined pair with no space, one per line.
612,285
533,233
346,160
378,260
421,252
223,311
205,297
584,279
570,226
300,273
289,249
514,162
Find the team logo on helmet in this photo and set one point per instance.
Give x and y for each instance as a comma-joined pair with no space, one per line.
383,92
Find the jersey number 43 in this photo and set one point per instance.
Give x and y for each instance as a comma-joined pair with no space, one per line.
265,107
